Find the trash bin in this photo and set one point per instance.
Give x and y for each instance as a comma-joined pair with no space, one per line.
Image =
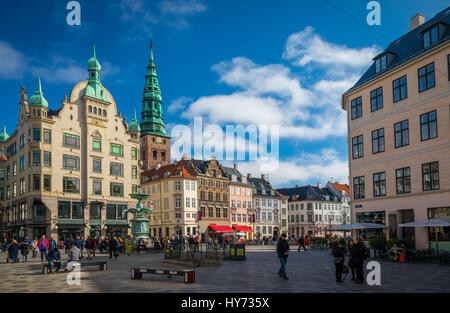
237,251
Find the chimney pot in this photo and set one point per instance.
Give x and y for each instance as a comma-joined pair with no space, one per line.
417,20
235,166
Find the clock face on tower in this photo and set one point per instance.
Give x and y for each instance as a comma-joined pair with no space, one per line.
158,139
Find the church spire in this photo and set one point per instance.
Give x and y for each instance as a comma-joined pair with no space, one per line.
94,88
152,115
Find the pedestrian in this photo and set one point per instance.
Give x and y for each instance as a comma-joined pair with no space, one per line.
283,253
52,243
359,254
34,247
43,245
13,251
67,245
128,245
339,257
351,261
113,247
79,244
54,260
88,244
5,244
307,241
24,248
301,243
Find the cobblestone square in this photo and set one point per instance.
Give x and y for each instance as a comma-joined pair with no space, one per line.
311,271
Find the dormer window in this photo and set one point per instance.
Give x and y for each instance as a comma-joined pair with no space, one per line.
430,36
382,61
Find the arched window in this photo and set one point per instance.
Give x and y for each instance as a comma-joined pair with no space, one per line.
90,109
95,110
163,156
155,155
104,112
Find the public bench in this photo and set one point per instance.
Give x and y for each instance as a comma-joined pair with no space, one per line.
102,265
189,275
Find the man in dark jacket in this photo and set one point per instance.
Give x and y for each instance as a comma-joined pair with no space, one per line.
358,255
283,253
54,260
339,258
301,243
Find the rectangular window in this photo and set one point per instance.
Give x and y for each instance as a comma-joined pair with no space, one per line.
95,211
47,136
357,147
210,212
47,159
77,210
376,99
430,176
111,211
97,165
401,134
218,212
379,184
428,125
63,209
116,149
36,157
120,209
356,108
36,182
97,144
134,171
71,141
430,36
116,169
116,190
71,184
403,180
71,162
225,213
426,77
378,141
22,165
133,153
400,89
97,187
358,188
47,183
36,134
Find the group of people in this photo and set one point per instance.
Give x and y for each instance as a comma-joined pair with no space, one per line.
355,250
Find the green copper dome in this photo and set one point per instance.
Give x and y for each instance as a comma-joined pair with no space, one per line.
94,88
4,136
38,97
93,63
134,125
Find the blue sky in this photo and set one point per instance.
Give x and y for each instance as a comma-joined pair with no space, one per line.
247,61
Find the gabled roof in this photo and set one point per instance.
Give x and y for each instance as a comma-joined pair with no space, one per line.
307,193
171,169
229,171
198,166
341,187
408,47
262,187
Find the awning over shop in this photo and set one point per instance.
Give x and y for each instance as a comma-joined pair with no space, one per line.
222,228
242,229
116,223
70,223
357,226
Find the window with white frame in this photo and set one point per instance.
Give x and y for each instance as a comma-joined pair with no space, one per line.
177,203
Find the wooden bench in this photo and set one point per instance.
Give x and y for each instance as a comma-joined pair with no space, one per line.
189,275
102,266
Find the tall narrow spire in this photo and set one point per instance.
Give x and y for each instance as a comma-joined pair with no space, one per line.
134,125
94,89
151,115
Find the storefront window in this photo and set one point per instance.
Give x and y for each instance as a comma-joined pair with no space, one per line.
63,209
378,217
443,233
95,211
77,210
110,211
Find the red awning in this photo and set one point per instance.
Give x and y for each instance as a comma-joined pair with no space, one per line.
242,229
222,228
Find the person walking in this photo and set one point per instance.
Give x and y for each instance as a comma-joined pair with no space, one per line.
339,257
79,244
89,246
67,245
301,243
34,247
283,253
13,251
52,243
128,245
24,249
43,245
113,247
359,254
351,261
307,241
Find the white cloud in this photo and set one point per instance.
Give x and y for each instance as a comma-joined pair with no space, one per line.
70,74
301,169
306,47
178,105
180,7
13,63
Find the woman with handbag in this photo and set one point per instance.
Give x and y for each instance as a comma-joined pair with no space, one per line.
339,258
